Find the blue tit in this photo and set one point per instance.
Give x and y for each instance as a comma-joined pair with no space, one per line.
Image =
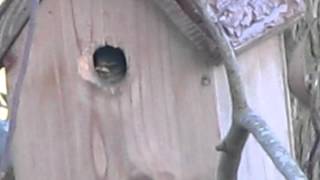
110,64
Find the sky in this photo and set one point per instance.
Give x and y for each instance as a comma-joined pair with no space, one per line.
3,89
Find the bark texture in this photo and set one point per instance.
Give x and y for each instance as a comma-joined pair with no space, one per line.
13,17
303,41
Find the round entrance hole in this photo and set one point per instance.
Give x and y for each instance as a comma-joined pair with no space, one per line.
110,64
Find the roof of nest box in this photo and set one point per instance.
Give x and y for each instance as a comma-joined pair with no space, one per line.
245,21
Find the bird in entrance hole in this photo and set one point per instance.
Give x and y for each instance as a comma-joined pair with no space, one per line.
110,64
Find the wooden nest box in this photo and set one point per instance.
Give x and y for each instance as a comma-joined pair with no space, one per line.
163,118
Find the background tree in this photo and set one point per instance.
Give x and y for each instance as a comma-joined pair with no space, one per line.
303,52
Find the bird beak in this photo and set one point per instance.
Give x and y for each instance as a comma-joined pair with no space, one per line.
103,69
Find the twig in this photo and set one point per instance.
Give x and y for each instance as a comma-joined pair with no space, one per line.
13,17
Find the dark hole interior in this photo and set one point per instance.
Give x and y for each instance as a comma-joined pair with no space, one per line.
110,63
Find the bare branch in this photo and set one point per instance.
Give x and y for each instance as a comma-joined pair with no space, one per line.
278,154
13,17
227,53
244,120
14,14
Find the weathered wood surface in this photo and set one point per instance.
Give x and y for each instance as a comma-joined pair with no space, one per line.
262,69
162,125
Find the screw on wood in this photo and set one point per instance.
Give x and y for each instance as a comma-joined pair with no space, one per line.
205,80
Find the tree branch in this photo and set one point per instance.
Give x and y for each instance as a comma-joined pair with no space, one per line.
277,153
244,121
219,39
13,16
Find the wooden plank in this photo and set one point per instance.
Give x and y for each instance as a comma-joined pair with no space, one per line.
262,68
161,123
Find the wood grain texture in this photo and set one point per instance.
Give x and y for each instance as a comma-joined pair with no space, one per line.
161,123
13,16
262,69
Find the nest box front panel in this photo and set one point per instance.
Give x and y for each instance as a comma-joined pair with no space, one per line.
114,91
